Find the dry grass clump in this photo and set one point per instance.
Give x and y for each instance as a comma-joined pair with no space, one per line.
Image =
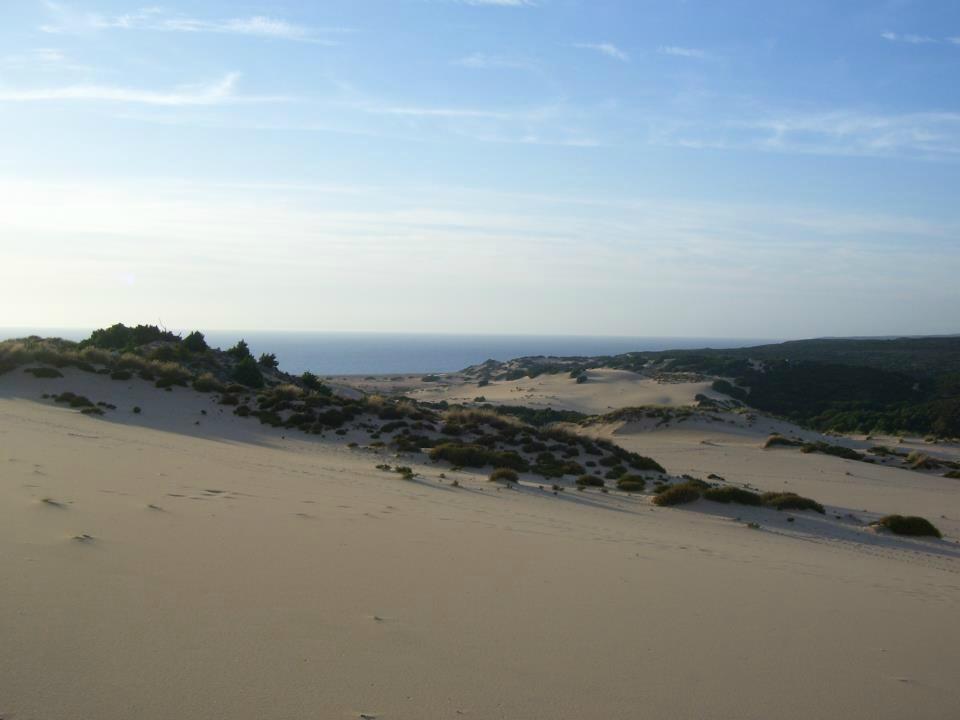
96,356
507,475
631,483
790,501
287,392
131,361
207,383
681,494
776,440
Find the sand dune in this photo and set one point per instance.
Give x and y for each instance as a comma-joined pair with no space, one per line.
606,389
155,568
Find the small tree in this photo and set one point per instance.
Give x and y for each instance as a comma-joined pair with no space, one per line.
269,361
247,373
240,351
195,342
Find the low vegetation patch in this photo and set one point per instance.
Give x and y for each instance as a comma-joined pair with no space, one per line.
477,456
781,441
590,481
631,483
790,501
44,372
908,525
729,494
681,494
503,474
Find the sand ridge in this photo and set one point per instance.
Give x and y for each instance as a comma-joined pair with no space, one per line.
230,570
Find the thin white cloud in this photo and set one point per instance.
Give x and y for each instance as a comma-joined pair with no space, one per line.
608,49
440,112
924,135
909,38
682,51
40,59
219,93
482,61
68,21
501,3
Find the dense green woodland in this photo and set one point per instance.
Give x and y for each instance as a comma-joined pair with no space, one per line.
897,385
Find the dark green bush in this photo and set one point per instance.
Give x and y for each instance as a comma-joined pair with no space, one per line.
44,372
590,481
677,495
909,525
268,361
790,501
73,400
240,351
507,475
781,441
478,456
195,342
246,372
953,474
732,495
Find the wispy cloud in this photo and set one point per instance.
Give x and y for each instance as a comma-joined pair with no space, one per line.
502,3
439,112
66,20
219,93
682,51
924,135
40,59
608,49
482,61
909,38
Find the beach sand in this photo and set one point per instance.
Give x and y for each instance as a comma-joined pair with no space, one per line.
156,568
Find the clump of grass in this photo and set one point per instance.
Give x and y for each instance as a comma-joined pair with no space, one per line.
73,400
507,475
44,372
92,411
776,440
680,494
590,481
908,525
953,474
729,494
207,383
631,483
790,501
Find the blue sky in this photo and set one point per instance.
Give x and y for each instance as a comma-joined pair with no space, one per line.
643,167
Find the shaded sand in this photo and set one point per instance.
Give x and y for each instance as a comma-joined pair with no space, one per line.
605,390
222,570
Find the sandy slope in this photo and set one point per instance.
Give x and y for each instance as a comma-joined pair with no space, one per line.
606,390
235,573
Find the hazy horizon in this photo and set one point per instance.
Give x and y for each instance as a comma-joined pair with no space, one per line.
523,167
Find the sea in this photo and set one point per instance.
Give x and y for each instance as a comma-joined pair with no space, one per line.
355,353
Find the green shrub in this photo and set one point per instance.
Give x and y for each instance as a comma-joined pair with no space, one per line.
507,475
732,495
73,400
44,372
954,474
631,483
195,342
268,361
246,372
478,456
909,525
590,481
781,441
790,501
677,495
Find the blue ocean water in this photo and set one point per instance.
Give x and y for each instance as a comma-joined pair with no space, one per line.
335,353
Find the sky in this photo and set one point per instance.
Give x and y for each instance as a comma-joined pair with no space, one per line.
695,168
